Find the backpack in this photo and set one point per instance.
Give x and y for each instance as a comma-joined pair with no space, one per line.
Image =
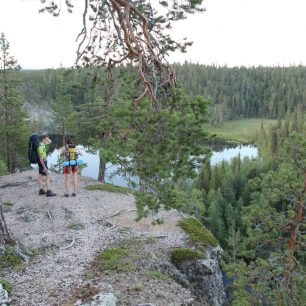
32,148
71,152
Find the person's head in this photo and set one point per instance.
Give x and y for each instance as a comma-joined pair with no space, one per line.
69,141
45,139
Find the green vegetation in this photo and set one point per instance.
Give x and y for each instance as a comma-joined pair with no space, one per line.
76,226
197,232
125,256
108,187
43,249
254,208
240,92
244,130
6,285
181,255
7,207
8,204
159,275
9,260
117,259
13,129
3,168
114,259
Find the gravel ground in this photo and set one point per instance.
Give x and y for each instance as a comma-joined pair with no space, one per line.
68,233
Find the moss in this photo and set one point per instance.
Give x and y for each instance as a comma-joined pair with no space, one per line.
8,204
180,255
116,259
6,285
76,226
126,255
108,188
43,249
9,259
198,232
158,221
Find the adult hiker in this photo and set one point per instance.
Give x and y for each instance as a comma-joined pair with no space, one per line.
43,167
70,153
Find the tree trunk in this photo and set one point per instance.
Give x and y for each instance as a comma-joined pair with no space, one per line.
102,170
5,237
7,240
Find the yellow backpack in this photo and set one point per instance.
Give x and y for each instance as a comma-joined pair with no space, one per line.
71,152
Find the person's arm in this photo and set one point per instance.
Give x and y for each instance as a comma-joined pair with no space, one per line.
62,151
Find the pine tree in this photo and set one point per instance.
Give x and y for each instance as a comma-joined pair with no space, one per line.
63,109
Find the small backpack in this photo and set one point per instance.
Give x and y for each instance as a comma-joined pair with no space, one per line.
32,148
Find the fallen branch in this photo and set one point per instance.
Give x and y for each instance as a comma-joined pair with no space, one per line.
119,212
49,215
70,245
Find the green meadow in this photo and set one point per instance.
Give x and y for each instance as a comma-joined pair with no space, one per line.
244,130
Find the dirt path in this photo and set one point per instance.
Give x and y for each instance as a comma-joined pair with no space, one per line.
67,234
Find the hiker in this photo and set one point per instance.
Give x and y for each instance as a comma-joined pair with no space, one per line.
70,153
43,167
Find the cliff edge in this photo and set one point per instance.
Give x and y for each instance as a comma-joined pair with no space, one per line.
88,250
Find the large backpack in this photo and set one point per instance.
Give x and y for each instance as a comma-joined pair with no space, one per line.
32,149
71,152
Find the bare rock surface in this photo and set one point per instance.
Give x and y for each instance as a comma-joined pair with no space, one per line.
67,234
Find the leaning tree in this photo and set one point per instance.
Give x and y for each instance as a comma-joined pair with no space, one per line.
133,33
165,128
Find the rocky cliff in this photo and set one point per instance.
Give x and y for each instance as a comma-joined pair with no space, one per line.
88,250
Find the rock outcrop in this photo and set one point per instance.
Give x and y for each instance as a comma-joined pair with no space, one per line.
89,250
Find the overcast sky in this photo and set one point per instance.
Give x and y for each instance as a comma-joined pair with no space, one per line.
230,32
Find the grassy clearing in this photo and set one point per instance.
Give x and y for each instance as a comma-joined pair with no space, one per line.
240,130
108,187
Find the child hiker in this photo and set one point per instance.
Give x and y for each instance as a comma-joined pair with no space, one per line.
70,153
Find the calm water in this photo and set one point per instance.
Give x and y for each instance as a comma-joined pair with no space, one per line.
92,161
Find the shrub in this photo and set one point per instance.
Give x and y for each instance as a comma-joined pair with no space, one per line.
180,255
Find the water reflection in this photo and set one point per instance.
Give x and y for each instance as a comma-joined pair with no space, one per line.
228,154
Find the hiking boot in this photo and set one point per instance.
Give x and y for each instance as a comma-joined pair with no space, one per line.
66,195
50,193
42,191
74,194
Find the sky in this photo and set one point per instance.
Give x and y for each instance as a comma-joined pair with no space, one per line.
230,32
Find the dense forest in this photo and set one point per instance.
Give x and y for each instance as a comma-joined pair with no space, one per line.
235,93
255,208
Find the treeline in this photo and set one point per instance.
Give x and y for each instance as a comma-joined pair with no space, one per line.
240,92
84,85
235,93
